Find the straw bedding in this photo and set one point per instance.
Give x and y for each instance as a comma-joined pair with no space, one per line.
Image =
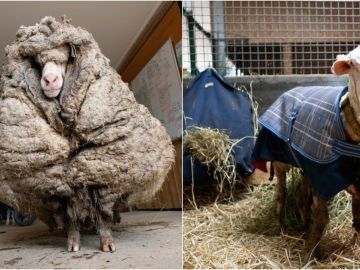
91,147
244,233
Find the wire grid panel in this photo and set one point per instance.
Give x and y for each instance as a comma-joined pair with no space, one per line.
268,37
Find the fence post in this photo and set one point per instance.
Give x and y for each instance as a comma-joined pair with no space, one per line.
218,43
191,23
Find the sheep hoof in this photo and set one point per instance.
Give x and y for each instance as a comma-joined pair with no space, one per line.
107,244
73,241
356,239
73,247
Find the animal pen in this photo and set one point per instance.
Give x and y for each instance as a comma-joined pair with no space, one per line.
266,47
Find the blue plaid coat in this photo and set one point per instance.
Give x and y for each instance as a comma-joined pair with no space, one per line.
303,128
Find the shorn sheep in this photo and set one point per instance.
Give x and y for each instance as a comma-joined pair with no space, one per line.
318,130
74,143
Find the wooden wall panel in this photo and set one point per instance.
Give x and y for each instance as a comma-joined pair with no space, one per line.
168,26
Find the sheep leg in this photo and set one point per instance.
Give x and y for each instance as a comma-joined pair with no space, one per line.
117,208
105,199
106,241
73,241
59,221
356,218
7,216
12,216
280,173
320,218
58,212
117,217
355,194
304,201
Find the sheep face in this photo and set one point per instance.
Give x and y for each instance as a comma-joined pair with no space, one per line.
52,78
53,63
347,63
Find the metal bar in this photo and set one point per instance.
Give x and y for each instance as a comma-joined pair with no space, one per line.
219,37
192,46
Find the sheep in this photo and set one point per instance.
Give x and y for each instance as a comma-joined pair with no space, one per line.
74,143
316,129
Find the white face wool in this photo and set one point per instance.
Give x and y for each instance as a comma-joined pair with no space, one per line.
54,63
52,78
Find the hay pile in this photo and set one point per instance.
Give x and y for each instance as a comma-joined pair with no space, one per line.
86,150
214,149
244,234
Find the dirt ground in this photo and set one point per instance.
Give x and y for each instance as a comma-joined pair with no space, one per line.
144,239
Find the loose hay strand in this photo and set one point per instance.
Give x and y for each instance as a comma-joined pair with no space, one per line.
192,183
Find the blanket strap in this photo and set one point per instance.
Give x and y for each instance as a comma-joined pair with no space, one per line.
292,119
272,171
346,149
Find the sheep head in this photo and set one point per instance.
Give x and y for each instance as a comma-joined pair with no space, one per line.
53,63
347,63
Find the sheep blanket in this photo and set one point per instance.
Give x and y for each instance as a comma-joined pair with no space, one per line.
303,128
94,137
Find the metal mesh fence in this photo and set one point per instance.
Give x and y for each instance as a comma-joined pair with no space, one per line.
268,37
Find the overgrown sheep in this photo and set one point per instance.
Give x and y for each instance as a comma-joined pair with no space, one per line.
74,143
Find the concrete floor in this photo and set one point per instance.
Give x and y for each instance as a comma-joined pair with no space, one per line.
144,239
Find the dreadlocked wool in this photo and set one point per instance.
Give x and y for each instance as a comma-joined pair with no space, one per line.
91,147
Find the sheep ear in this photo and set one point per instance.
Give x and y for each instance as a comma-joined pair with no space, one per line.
341,66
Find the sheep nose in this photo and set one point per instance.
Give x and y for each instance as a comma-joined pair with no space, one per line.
50,79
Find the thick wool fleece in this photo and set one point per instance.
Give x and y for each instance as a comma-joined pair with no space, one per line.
91,147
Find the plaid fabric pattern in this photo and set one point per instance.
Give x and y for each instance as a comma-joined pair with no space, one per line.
308,118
